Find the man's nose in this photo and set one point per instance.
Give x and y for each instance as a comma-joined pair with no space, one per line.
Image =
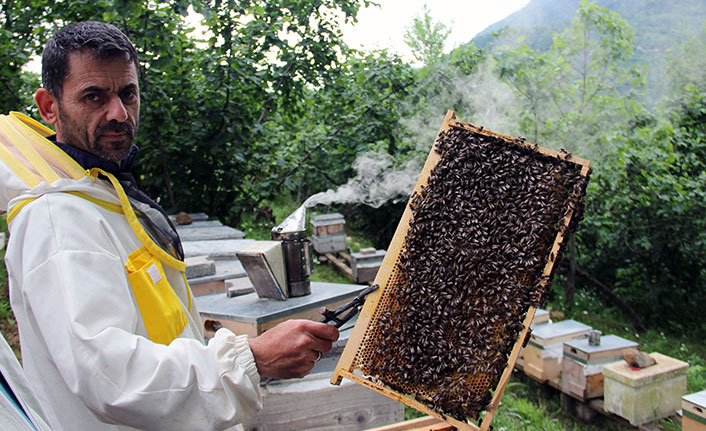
116,110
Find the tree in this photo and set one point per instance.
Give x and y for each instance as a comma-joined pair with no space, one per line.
20,40
209,107
533,77
597,89
582,90
644,231
426,37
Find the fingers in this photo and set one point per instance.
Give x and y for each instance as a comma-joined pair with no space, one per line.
323,330
316,336
291,348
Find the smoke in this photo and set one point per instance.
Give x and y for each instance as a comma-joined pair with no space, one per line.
490,102
379,179
480,98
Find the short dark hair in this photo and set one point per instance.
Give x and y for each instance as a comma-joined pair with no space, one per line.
101,39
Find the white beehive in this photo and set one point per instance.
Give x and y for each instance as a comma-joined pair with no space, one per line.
328,233
694,408
544,351
582,364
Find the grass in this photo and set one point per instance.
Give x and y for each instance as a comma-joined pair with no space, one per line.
528,405
326,272
531,406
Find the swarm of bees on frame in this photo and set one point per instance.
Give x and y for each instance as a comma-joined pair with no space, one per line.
473,262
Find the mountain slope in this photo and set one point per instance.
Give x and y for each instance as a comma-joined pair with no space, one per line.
659,26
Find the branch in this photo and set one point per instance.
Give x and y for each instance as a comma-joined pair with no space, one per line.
636,322
279,83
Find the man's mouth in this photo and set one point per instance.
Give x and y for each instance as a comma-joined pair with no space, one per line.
114,135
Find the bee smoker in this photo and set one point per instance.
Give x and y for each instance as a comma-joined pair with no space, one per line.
297,250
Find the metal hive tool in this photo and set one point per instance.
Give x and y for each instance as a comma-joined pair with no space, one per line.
470,261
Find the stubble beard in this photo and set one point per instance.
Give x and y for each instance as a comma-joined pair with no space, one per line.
76,135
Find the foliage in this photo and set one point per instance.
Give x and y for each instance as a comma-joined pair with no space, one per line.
533,77
235,119
378,224
583,89
269,106
331,134
659,28
686,69
426,37
21,37
644,230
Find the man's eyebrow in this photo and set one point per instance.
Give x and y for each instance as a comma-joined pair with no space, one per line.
93,89
99,89
130,86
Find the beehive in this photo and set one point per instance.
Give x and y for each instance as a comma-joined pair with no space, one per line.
694,408
366,264
470,261
541,317
647,394
582,365
328,233
544,350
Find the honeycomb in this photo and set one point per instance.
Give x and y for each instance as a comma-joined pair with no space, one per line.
478,252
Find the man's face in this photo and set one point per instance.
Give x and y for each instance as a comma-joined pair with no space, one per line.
99,106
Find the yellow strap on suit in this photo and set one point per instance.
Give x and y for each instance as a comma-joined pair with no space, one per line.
33,158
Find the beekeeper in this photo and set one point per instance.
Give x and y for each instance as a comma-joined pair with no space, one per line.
109,333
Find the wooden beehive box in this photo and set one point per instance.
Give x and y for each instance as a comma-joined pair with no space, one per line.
470,261
544,350
328,233
694,408
582,365
541,317
366,264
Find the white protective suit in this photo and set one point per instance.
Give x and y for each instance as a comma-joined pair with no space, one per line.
110,336
10,417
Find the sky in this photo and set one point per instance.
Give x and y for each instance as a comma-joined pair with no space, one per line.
383,27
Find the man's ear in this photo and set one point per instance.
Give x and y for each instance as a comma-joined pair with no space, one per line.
48,106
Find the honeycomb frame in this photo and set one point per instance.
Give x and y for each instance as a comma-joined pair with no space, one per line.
357,353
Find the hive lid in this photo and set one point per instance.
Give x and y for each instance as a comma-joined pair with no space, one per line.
377,255
327,219
666,368
543,335
540,316
698,399
608,343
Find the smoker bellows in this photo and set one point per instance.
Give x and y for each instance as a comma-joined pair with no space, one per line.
470,261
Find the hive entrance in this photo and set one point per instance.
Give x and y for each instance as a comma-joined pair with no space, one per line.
470,261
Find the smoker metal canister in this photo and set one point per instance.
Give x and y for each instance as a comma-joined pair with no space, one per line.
298,260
